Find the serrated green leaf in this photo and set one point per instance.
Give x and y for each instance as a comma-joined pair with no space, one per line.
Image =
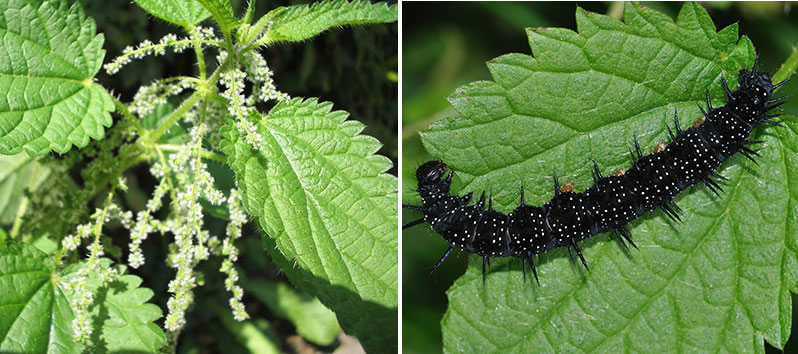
222,12
180,12
300,22
719,281
313,321
324,200
49,56
120,314
18,173
35,316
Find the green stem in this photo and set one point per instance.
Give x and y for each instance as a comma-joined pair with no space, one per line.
99,227
788,68
198,51
616,9
173,117
179,78
128,161
122,108
140,51
188,103
167,173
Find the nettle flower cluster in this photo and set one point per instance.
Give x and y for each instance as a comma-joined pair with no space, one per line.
182,175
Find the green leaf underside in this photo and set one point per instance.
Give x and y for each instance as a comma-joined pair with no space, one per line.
180,12
324,200
35,316
222,12
300,22
18,173
313,321
49,55
720,280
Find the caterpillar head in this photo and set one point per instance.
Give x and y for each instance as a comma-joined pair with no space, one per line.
430,172
756,85
750,100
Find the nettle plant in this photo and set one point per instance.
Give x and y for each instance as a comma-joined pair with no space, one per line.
303,172
721,279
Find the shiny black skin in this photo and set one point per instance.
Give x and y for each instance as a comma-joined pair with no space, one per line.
613,201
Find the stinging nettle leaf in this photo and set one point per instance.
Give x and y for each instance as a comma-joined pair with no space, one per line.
49,56
300,22
180,12
35,316
222,11
721,280
121,314
18,173
325,202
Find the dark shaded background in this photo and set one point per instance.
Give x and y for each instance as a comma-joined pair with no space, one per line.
351,67
446,45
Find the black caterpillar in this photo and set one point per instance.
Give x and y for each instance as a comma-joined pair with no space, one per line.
613,201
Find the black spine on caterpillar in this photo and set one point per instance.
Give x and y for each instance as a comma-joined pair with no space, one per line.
613,201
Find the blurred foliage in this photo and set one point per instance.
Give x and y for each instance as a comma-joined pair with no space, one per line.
446,45
351,67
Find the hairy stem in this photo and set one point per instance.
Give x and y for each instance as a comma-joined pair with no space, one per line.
188,103
122,109
172,118
198,51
